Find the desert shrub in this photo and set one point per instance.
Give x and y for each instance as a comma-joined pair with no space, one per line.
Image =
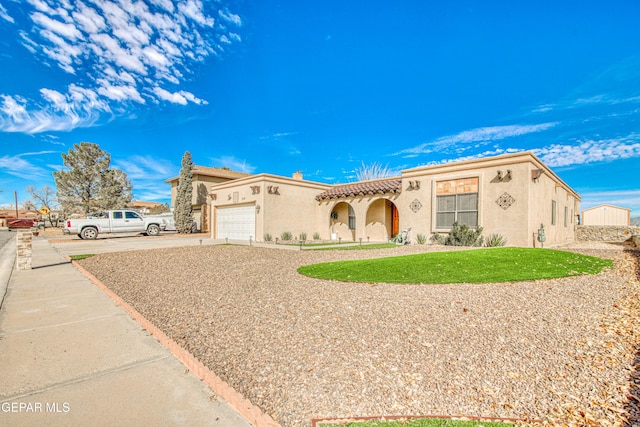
286,236
316,236
267,237
463,235
303,236
437,238
421,239
495,240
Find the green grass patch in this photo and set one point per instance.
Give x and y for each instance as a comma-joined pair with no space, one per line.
421,422
317,243
468,266
79,257
359,247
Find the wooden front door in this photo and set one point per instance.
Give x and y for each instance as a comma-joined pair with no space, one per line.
395,220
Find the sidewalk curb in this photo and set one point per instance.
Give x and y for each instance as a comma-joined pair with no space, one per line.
7,265
244,406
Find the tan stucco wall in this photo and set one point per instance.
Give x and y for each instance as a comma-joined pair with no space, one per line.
373,218
543,193
296,210
531,200
201,187
510,222
606,215
291,208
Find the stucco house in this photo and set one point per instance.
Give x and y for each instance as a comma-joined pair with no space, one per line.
606,215
203,178
512,195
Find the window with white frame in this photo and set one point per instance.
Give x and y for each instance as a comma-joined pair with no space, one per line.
457,201
553,212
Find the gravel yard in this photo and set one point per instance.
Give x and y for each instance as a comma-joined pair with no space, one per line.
300,348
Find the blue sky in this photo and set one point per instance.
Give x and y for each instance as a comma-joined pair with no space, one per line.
321,87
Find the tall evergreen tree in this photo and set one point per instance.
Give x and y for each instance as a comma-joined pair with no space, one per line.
89,184
183,210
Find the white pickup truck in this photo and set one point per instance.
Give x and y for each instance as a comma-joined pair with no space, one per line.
114,221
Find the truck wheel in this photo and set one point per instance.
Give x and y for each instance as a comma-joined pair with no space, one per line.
80,236
153,230
89,233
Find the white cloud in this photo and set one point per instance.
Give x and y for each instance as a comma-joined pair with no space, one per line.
230,17
478,135
590,151
181,97
147,174
146,168
5,15
68,31
78,108
233,163
193,10
21,168
119,51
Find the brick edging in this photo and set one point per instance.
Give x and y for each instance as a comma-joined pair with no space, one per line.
244,406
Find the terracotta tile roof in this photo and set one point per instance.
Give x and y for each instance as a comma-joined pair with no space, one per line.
362,189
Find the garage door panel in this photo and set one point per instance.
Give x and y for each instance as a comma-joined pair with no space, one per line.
236,222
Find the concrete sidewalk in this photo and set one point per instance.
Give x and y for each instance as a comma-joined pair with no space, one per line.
70,356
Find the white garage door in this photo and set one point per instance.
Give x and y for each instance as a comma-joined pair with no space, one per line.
236,222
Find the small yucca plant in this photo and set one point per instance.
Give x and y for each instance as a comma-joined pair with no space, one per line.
495,240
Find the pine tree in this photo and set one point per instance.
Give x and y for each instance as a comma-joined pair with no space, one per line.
89,184
183,210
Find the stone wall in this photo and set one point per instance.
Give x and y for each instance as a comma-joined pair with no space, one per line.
606,233
24,246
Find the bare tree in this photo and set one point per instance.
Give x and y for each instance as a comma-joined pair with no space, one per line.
45,197
28,205
371,171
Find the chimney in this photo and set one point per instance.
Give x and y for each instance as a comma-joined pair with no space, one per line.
297,175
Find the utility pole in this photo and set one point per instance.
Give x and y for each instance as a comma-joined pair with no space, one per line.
15,193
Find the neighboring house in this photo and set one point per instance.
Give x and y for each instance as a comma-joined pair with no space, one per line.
512,195
144,207
606,215
203,178
635,221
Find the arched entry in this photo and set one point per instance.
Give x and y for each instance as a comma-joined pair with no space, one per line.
383,221
342,222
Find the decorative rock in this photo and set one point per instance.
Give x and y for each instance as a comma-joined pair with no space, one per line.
605,233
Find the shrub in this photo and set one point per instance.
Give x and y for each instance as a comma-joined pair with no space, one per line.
437,238
316,236
286,236
267,237
303,236
463,235
421,239
495,240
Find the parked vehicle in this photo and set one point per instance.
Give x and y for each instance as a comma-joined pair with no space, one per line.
170,225
114,221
